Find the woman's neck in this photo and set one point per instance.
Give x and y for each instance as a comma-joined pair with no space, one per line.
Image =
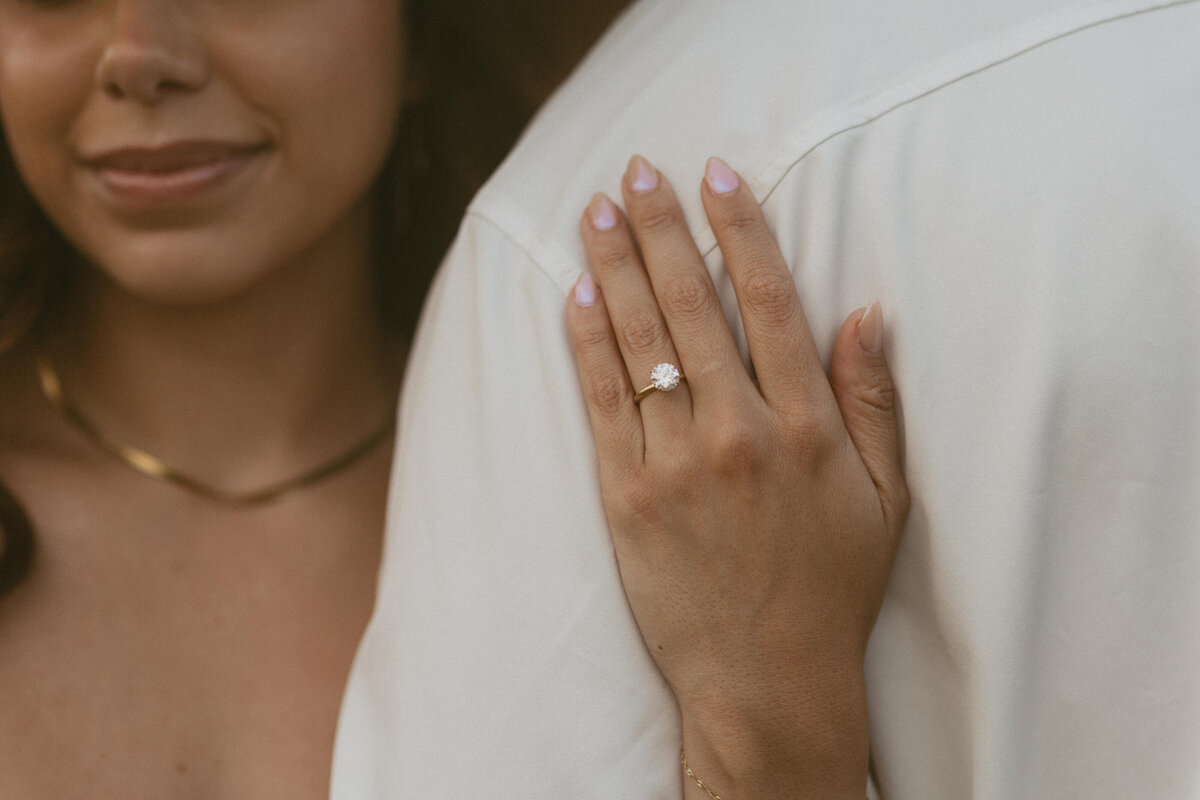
246,391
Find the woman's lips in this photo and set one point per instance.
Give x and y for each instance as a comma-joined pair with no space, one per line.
171,173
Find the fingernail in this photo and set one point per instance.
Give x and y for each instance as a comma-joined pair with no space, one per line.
642,176
602,213
721,179
870,329
585,291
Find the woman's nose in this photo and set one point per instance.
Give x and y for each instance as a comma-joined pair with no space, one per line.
153,51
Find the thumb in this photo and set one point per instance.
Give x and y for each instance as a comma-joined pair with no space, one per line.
862,384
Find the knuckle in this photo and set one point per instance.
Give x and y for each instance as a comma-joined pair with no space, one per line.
591,339
809,436
772,294
610,258
741,222
687,296
656,217
737,449
643,333
637,502
877,392
607,394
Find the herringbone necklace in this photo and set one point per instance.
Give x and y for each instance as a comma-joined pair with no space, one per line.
151,466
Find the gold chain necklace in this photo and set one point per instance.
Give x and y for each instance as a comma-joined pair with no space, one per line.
149,465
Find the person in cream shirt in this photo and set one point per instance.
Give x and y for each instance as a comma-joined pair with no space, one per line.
1019,185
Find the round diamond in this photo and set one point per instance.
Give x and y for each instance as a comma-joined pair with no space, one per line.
665,377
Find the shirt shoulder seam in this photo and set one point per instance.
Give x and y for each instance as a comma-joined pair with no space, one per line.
867,111
827,125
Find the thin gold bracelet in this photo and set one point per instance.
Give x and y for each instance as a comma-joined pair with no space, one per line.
688,771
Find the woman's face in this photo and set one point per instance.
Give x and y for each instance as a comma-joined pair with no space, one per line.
189,148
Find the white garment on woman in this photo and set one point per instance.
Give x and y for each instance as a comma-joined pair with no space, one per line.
1019,184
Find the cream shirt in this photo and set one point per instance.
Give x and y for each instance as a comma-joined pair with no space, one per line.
1019,184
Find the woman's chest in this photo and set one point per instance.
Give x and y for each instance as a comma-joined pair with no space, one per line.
196,669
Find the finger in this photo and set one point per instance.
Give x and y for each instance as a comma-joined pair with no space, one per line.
616,424
866,395
682,285
785,357
638,325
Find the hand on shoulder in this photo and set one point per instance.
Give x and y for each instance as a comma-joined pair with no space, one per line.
754,521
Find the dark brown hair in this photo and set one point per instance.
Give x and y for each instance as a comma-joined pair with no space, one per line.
483,67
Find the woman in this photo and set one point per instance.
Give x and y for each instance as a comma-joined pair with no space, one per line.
215,177
203,282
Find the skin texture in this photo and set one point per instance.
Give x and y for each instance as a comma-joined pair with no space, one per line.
164,645
81,78
755,523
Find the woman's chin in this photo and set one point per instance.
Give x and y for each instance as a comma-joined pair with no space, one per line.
180,283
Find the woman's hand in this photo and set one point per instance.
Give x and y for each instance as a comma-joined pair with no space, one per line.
754,523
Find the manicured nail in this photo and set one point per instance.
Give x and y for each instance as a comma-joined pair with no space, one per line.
721,179
585,291
870,329
642,176
602,213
